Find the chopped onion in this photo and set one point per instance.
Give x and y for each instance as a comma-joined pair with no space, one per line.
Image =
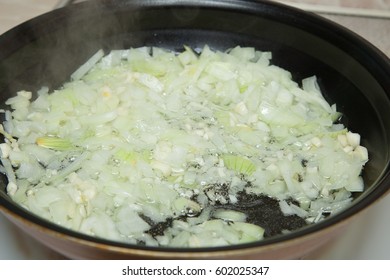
148,146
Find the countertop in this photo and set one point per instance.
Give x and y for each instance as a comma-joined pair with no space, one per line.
366,238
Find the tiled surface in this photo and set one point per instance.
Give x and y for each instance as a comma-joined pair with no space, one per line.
364,4
350,8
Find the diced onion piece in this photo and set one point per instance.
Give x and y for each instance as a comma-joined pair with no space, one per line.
80,72
230,215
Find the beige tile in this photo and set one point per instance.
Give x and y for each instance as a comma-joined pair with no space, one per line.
365,4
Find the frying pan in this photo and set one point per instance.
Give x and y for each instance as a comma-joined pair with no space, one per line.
351,72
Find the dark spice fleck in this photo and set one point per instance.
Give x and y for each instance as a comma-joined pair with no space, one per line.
221,191
264,211
261,210
159,228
